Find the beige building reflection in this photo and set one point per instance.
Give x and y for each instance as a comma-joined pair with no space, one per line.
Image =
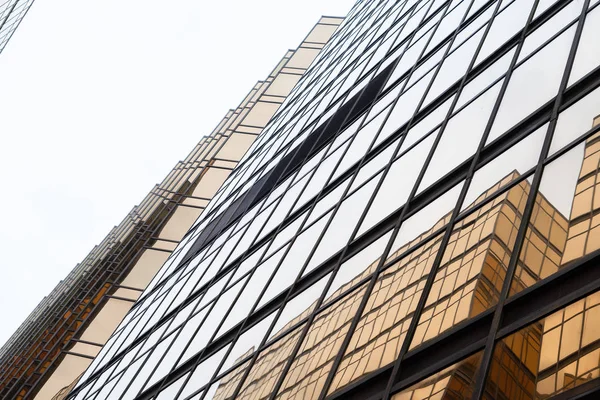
544,359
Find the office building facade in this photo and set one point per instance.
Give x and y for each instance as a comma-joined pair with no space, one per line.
58,341
419,220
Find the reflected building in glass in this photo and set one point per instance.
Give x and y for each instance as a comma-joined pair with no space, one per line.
418,220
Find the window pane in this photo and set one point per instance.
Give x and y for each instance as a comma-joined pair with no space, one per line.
505,25
293,262
315,358
248,342
454,67
342,225
397,184
427,220
461,137
357,267
575,120
299,307
550,356
202,373
506,167
268,367
533,83
404,108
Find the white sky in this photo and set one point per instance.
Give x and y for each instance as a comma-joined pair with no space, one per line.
100,99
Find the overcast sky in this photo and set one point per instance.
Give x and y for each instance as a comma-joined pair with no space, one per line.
100,99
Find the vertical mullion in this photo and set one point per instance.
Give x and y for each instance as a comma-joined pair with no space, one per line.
437,261
373,280
489,349
321,298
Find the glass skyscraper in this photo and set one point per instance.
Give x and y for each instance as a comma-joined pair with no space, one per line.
418,220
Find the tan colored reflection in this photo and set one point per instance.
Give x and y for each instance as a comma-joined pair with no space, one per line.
309,369
471,274
569,239
550,356
455,382
468,282
562,351
514,365
381,331
473,268
311,366
229,382
266,370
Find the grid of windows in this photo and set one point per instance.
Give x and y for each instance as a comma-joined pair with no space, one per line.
419,207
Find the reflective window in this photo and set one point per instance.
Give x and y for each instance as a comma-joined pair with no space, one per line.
294,260
506,24
471,273
397,184
342,225
381,330
461,137
576,120
358,267
202,373
514,162
533,83
267,368
550,356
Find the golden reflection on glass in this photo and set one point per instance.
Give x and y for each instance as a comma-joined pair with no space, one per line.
550,356
382,328
264,373
455,382
471,273
564,225
468,282
314,360
229,382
